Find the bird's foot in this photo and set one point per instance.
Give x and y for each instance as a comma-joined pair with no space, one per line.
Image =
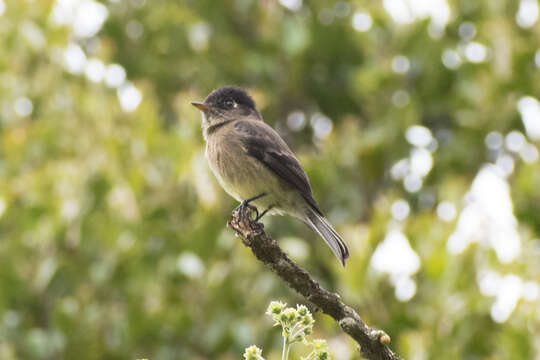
259,216
242,220
245,209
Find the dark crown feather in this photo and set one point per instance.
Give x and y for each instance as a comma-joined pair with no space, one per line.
219,97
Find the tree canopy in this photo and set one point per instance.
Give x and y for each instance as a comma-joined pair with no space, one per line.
417,122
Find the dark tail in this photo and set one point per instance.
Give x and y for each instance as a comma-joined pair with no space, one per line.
318,223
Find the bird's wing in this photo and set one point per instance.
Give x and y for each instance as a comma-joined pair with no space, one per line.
264,144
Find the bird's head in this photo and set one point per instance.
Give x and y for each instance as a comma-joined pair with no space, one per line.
226,104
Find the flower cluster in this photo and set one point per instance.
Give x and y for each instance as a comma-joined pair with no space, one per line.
296,325
253,353
320,351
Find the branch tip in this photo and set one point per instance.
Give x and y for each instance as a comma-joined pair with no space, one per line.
372,343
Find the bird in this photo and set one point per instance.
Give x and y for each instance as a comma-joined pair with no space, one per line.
255,166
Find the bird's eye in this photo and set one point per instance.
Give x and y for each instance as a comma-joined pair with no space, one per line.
230,103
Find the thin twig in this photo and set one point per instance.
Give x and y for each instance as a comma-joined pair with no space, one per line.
372,343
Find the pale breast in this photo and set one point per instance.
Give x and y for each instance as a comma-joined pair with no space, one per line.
241,175
220,161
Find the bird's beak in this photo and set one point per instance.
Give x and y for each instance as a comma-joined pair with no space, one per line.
201,106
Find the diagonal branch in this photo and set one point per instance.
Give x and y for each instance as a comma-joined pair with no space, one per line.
372,342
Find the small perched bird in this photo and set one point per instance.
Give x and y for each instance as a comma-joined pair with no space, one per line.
256,167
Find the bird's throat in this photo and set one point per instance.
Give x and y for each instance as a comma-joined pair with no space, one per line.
212,128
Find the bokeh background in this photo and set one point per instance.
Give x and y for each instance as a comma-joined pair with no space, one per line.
417,121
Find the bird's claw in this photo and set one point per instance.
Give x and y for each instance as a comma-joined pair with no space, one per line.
245,204
243,222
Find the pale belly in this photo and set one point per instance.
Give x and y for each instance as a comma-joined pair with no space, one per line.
250,179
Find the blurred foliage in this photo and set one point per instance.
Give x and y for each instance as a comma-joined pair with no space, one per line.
113,240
